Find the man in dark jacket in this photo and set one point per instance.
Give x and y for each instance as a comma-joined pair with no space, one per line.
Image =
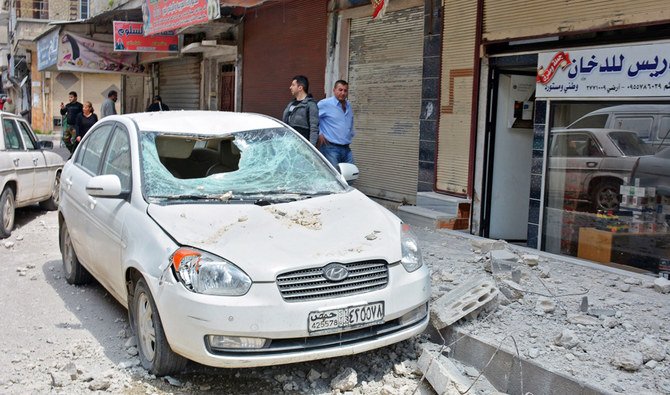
157,105
69,112
302,113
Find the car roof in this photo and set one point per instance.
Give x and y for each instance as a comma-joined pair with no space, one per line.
597,131
664,108
199,122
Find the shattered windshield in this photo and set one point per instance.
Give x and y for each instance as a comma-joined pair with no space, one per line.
257,164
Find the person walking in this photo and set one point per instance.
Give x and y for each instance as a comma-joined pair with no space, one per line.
109,105
9,106
69,112
302,113
85,120
157,105
336,125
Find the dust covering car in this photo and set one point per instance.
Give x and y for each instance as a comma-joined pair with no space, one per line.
29,172
591,164
234,243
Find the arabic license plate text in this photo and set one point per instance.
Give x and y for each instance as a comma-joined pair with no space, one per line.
345,318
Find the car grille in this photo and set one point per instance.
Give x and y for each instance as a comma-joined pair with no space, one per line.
309,284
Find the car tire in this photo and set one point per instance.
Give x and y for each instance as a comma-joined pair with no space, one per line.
605,195
75,273
51,204
7,210
154,351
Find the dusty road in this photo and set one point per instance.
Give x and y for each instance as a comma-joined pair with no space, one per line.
60,338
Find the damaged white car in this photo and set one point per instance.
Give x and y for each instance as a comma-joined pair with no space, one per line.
234,243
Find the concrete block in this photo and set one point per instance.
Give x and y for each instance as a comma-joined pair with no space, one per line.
462,300
442,374
662,285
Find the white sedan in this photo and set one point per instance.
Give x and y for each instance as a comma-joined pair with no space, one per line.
234,243
29,174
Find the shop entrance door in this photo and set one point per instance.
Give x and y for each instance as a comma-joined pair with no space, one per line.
510,156
227,88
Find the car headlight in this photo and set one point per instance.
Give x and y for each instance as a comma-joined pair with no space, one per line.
411,253
208,274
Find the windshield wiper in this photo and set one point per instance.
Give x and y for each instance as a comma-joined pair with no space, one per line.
192,197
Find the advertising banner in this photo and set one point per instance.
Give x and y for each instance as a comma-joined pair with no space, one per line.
129,37
625,71
163,15
47,50
77,53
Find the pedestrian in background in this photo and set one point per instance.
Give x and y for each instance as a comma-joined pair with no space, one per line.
302,113
109,105
9,106
85,120
336,125
69,112
157,105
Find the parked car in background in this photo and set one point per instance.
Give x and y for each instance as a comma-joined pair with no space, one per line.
650,121
234,243
653,171
591,164
29,172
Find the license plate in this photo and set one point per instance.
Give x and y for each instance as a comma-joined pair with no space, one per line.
345,318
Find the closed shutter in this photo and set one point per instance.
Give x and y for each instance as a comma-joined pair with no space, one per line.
385,75
458,48
282,40
179,83
506,19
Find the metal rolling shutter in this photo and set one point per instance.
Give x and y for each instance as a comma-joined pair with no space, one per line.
179,83
458,46
282,40
505,19
385,74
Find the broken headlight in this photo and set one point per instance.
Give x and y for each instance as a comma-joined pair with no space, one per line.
208,274
411,253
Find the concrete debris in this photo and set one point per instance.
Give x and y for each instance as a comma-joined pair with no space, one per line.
530,259
624,287
71,369
581,319
441,372
313,375
99,384
511,290
651,364
516,276
19,237
632,281
545,272
502,261
9,244
651,350
461,301
131,342
662,285
601,313
628,360
546,306
173,381
485,246
567,339
584,306
345,381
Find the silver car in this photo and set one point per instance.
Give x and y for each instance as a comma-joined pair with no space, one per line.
29,174
591,164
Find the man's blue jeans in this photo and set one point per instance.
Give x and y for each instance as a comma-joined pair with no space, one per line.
337,154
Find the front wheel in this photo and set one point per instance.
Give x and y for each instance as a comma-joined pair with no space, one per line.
154,351
7,207
605,196
51,204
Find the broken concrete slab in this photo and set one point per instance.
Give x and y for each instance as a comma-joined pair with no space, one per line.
582,319
462,300
484,246
511,290
662,285
530,259
442,373
502,261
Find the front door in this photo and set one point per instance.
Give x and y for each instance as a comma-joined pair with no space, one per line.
227,87
21,161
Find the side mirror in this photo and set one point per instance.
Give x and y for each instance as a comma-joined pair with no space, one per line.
107,185
45,144
348,171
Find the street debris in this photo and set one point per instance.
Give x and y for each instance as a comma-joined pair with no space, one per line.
462,301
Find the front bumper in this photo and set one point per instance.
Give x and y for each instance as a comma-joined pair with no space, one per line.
188,318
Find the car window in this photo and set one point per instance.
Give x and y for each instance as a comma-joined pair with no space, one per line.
590,121
28,136
117,161
630,144
266,162
90,154
575,145
11,135
639,124
664,130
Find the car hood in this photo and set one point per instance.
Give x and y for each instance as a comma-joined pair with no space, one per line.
264,241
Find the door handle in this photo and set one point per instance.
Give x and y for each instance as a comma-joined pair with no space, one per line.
68,183
35,161
16,162
591,164
92,202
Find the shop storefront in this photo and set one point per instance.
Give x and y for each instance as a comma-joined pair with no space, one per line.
602,124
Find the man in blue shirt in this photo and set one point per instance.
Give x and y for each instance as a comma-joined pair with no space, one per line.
336,125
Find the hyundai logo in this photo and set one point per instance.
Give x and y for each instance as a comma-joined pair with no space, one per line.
335,272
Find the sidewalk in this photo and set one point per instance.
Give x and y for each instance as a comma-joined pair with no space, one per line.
543,337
